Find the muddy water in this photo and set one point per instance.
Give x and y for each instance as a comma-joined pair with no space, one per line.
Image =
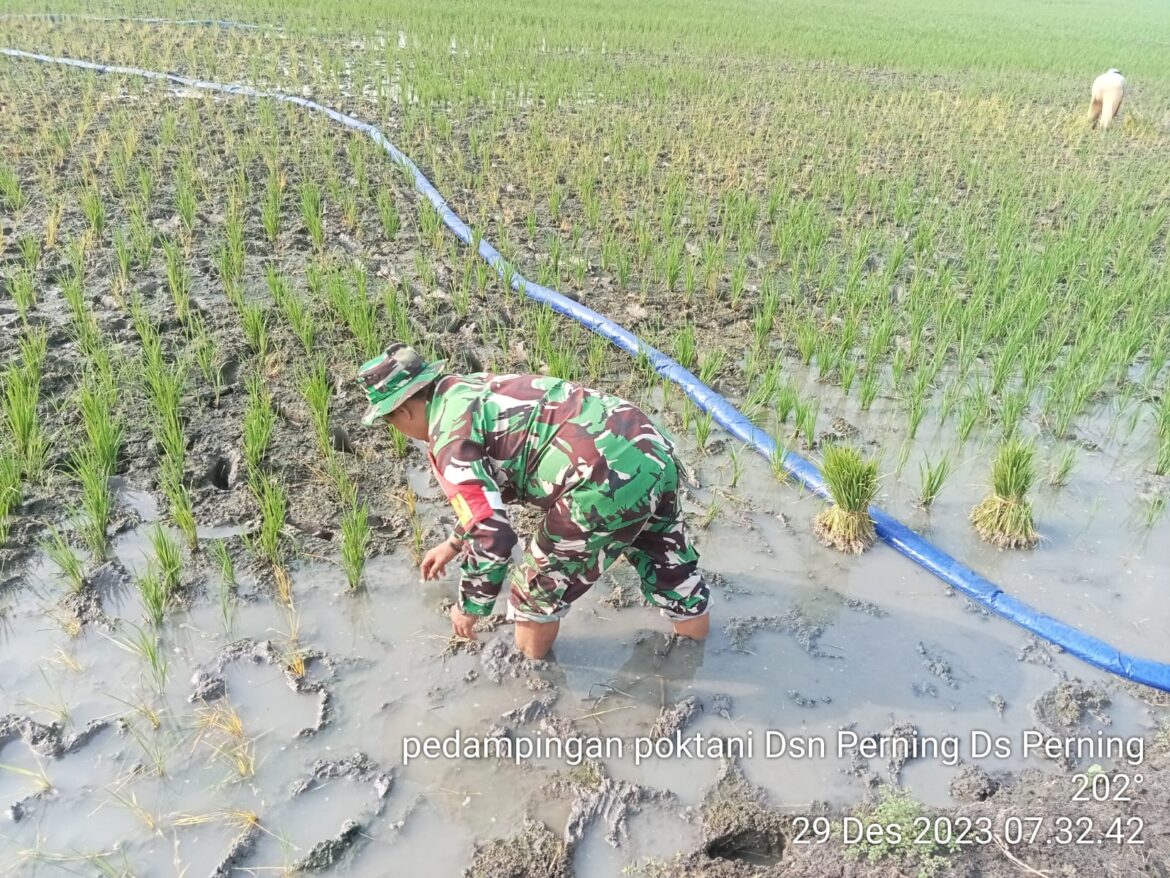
854,644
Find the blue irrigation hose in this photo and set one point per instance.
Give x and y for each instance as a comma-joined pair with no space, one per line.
914,546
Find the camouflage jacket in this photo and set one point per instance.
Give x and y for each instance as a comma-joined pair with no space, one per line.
496,439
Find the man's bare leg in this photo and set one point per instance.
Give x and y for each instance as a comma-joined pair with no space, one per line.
535,639
696,629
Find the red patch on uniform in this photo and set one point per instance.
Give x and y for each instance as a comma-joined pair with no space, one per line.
469,501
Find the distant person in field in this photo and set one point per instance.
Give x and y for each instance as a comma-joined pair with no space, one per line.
1108,90
604,474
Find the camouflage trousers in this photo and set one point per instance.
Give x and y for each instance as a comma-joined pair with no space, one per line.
587,530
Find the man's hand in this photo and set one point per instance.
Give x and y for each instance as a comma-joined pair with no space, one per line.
434,563
463,623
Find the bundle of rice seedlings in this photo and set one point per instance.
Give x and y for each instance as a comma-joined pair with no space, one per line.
852,482
1004,518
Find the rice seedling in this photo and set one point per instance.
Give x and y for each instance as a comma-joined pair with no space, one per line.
94,209
168,558
266,541
703,429
273,198
141,238
932,478
259,420
22,391
311,213
852,481
805,418
22,289
355,538
58,550
314,387
97,501
684,346
1061,467
1004,517
711,365
147,645
10,494
255,322
154,594
38,776
218,552
11,192
178,280
388,214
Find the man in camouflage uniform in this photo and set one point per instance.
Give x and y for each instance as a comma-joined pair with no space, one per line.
606,477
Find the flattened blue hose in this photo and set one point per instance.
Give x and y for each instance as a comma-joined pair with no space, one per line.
912,545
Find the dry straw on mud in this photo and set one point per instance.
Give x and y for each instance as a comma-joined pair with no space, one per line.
1004,518
852,482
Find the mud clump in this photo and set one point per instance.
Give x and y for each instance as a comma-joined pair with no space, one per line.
500,659
326,854
1062,709
806,632
241,847
359,768
599,798
972,784
47,740
937,665
675,718
536,852
737,824
209,682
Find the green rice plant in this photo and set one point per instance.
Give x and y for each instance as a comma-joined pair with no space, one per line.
1062,466
786,401
141,236
852,482
868,389
94,209
399,443
259,421
255,322
218,552
806,422
10,493
711,365
64,559
168,558
684,346
314,387
206,353
312,214
1162,464
933,476
97,500
178,280
23,290
1004,517
156,599
103,426
22,391
703,429
186,202
355,538
266,542
30,251
179,500
273,197
388,213
11,193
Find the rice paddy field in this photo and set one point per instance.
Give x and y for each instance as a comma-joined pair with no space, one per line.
885,231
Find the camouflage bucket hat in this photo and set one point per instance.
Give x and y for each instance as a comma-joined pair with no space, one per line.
392,376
